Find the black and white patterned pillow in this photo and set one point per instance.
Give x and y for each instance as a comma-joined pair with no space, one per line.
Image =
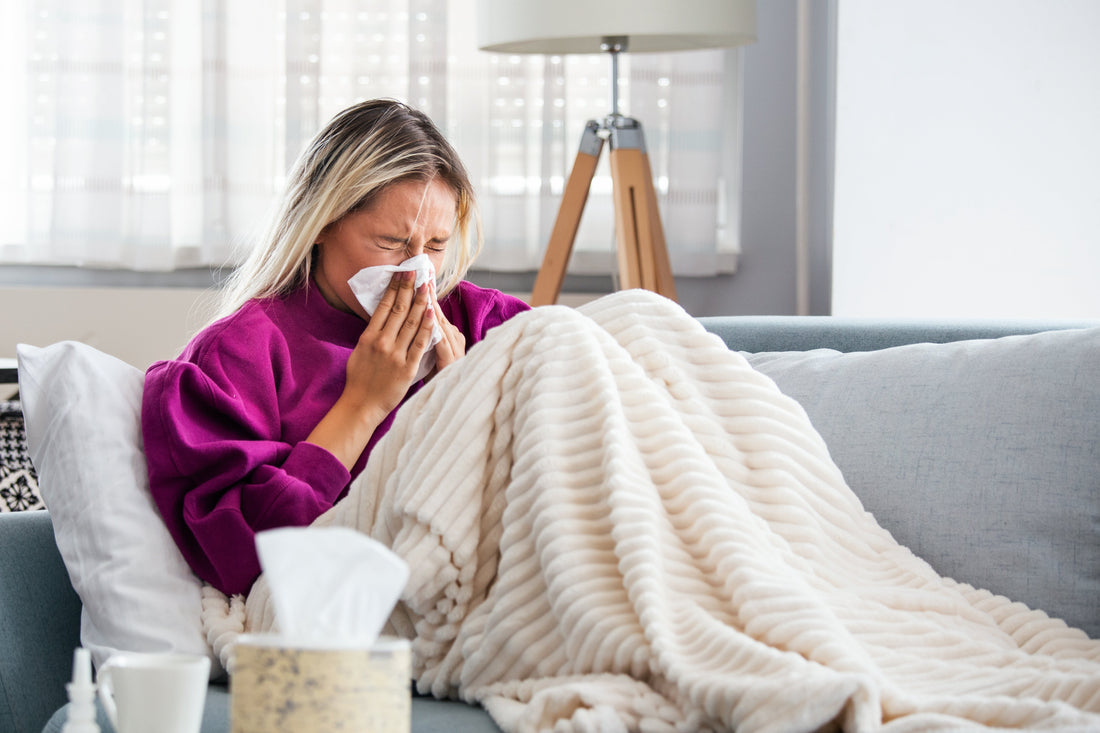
18,481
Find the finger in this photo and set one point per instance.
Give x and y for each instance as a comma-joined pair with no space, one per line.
451,334
402,303
414,319
385,303
422,340
453,344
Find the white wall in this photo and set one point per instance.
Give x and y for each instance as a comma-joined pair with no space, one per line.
138,325
967,158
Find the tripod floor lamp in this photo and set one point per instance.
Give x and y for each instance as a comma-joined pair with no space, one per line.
612,27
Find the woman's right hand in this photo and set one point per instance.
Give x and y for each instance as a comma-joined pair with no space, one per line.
380,370
383,364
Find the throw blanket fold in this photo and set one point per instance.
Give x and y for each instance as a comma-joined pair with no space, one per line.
631,529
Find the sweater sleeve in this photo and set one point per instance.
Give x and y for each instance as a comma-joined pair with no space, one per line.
220,468
475,310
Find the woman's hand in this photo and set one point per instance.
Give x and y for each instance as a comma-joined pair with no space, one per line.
452,346
380,369
383,364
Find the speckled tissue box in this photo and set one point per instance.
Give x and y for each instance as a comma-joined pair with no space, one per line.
277,688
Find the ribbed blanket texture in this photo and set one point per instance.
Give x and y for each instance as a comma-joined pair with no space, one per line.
614,523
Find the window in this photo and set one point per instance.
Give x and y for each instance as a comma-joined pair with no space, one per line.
155,136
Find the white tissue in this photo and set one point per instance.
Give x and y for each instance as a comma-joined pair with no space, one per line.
369,284
331,586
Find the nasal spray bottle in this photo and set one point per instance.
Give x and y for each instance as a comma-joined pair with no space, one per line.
81,690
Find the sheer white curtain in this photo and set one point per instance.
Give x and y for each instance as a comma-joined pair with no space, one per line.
154,134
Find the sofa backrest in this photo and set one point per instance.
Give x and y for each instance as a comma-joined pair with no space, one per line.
802,333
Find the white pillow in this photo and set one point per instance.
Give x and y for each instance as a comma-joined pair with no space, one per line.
83,420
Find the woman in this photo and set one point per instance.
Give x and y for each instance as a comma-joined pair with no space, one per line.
272,409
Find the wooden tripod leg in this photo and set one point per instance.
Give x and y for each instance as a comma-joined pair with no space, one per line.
665,283
551,274
640,239
625,177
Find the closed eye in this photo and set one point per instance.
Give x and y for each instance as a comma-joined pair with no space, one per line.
395,244
392,244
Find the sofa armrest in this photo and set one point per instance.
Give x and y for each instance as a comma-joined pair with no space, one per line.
39,622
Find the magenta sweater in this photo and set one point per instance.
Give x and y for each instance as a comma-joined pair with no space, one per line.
224,424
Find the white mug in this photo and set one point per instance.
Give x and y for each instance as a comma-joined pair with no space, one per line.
154,693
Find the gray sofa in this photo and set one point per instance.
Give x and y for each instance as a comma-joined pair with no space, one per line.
975,443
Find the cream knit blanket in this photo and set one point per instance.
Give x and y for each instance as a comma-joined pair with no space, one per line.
614,523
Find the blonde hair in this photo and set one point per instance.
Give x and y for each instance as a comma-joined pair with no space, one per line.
363,149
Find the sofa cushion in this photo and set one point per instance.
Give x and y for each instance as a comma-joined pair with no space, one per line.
83,433
981,456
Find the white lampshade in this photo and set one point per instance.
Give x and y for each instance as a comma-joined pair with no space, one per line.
579,26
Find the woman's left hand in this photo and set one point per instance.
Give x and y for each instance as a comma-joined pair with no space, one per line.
452,346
